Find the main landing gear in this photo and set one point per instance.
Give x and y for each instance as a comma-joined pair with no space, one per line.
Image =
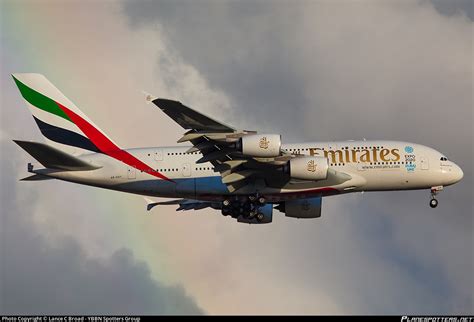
434,192
247,207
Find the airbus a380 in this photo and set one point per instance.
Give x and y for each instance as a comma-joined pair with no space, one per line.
242,173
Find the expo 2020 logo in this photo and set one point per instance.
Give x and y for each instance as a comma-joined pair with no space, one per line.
408,149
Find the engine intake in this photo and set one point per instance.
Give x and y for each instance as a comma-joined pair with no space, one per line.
308,168
260,145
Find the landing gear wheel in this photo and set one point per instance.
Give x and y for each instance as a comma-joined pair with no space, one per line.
252,214
260,216
434,192
261,200
226,202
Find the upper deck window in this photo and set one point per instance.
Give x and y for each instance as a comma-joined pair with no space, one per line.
444,159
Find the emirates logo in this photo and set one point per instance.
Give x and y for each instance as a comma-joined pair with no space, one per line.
305,206
264,143
311,166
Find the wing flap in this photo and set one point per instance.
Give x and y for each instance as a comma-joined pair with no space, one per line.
215,155
237,176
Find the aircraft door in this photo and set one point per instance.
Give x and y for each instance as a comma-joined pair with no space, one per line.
131,173
158,155
424,163
186,170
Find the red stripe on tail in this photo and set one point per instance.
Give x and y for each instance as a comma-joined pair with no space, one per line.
108,147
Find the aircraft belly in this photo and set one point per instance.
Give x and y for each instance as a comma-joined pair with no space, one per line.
212,188
153,187
210,185
382,180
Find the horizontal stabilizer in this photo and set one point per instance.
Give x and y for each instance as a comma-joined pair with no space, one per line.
36,177
53,158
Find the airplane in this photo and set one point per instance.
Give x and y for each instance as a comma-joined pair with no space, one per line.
243,174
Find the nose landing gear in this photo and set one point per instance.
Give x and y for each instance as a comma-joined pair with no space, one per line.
434,192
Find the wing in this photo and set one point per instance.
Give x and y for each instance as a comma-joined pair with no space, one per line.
188,118
217,143
183,204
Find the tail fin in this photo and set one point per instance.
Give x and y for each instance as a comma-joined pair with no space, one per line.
61,121
58,119
52,158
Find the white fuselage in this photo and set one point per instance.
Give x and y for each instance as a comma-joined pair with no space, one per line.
372,165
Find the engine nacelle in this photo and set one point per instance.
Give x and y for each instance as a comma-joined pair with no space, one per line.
260,145
302,208
308,168
267,212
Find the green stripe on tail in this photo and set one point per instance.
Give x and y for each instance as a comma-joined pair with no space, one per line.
39,100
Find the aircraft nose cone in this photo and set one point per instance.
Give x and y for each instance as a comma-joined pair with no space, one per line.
458,173
452,174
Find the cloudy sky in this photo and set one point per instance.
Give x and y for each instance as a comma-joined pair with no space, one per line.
310,70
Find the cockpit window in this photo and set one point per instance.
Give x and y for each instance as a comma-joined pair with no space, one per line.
444,159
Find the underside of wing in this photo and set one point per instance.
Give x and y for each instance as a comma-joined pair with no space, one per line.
183,204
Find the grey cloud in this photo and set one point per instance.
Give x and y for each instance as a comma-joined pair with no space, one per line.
40,278
333,71
236,45
455,7
289,58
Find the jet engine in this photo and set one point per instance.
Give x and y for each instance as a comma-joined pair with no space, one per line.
302,208
260,145
264,216
308,168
